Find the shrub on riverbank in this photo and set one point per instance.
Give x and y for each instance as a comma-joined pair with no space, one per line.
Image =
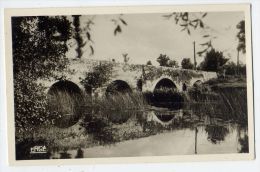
227,101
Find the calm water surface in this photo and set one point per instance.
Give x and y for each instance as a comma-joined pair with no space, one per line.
162,132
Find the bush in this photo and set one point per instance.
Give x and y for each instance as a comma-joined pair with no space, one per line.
232,69
97,77
31,105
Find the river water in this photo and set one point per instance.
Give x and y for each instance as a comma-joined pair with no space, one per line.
159,133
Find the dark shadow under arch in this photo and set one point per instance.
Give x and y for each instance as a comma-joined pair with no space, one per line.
65,86
166,95
165,83
65,102
118,86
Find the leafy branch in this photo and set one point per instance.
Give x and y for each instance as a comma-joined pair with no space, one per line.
83,36
87,29
119,22
186,20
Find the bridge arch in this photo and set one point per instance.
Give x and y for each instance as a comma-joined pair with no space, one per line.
65,101
118,86
166,94
164,81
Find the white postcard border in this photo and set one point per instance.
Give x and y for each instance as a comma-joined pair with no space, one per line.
127,10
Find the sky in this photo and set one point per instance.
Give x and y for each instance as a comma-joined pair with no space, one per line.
146,36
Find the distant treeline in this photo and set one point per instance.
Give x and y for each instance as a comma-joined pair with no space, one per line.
213,61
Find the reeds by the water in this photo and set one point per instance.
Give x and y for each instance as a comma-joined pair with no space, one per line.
121,102
226,103
65,108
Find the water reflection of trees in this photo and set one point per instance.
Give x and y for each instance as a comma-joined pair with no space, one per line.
100,129
216,133
65,155
80,153
243,139
244,144
119,117
109,127
105,125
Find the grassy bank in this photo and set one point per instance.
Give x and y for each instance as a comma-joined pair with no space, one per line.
224,98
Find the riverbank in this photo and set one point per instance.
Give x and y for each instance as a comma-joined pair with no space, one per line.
231,82
224,98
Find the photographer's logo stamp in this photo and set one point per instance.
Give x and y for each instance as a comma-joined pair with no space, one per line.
38,149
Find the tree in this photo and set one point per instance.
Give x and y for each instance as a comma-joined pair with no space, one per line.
39,47
186,64
163,60
173,63
149,62
213,61
241,36
241,41
231,69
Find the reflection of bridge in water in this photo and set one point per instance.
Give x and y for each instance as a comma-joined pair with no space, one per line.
164,117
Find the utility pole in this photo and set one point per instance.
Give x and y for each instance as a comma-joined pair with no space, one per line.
196,137
237,62
194,51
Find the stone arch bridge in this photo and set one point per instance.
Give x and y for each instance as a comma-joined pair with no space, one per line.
144,78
